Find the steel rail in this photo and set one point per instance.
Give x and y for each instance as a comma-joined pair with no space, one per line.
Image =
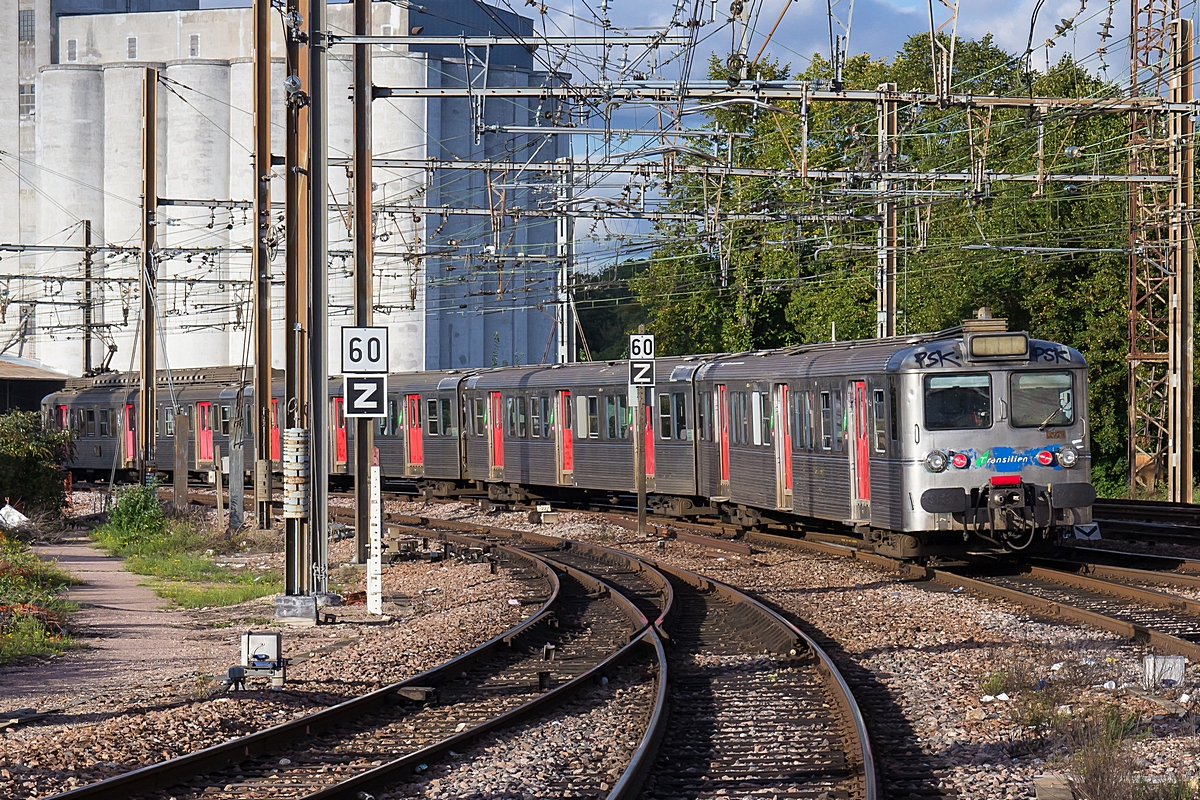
1121,574
177,770
630,782
1057,610
391,772
788,639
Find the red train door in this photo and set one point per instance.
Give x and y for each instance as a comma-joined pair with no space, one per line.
130,434
783,447
62,418
274,429
648,439
496,435
415,450
204,434
339,431
861,452
562,429
723,437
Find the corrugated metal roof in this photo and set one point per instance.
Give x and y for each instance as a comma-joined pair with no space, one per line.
26,370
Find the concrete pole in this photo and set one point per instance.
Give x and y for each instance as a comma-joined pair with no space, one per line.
298,560
262,263
147,405
1182,312
318,342
364,439
88,252
885,278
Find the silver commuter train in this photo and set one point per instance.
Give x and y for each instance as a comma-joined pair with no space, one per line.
974,438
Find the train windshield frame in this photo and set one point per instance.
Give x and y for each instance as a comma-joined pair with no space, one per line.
1047,400
958,401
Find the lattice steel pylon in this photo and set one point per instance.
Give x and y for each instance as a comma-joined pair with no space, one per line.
1160,255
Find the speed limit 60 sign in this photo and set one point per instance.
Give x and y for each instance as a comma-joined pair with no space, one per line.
364,351
641,359
641,346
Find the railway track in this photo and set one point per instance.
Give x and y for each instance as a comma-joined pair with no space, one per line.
756,708
579,631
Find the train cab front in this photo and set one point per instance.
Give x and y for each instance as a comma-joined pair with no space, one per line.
997,459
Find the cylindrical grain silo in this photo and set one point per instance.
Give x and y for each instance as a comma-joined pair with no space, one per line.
242,186
399,128
70,143
198,140
123,96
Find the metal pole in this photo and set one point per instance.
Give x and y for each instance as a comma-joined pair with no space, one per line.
318,347
1182,321
87,296
298,560
639,449
564,311
885,279
364,440
262,263
147,407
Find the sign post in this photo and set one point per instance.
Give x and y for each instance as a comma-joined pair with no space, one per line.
375,543
364,368
641,378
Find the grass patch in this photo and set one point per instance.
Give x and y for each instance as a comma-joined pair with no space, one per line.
187,595
32,611
177,552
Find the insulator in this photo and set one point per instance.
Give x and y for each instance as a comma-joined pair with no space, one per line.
296,473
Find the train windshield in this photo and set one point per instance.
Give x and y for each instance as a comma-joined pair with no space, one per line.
955,402
1042,399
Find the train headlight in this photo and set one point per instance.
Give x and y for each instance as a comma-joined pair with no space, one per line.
936,461
1067,456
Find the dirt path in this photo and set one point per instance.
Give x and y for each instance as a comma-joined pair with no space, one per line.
121,624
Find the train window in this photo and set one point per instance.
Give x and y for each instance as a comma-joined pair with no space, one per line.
535,416
739,422
522,408
480,416
756,417
447,413
958,402
895,399
383,425
610,415
664,416
432,418
548,417
624,417
677,400
840,423
581,431
394,406
766,420
702,417
1041,399
826,421
169,421
808,425
880,415
593,417
105,422
226,420
248,422
512,416
90,422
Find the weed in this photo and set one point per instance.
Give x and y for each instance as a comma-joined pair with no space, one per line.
22,636
217,594
32,611
174,549
995,682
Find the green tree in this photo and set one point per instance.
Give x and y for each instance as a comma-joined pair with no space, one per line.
31,462
1046,256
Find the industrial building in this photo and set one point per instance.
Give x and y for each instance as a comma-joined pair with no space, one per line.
455,290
